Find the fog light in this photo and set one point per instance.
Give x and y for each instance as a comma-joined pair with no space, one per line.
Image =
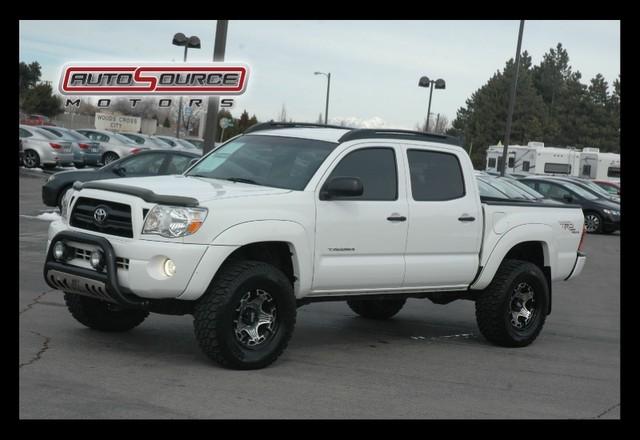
97,260
59,251
169,268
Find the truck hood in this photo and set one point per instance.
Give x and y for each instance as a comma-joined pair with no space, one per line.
200,188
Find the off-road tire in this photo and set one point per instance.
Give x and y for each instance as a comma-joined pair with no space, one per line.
214,314
493,305
99,315
376,308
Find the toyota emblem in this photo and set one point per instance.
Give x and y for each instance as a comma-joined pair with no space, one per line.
100,215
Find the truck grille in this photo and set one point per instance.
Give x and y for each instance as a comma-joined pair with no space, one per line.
116,222
85,254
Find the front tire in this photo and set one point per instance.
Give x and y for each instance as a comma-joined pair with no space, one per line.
246,318
512,310
376,308
99,315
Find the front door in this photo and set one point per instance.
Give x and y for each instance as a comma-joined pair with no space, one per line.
360,241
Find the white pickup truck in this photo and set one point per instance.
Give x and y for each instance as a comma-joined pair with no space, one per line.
288,214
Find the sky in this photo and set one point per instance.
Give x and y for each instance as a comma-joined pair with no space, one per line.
375,65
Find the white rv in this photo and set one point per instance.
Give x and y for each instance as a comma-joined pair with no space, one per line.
608,167
520,158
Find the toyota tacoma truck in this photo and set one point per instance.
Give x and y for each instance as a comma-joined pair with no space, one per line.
288,214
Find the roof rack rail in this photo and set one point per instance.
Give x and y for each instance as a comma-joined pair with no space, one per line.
367,133
271,125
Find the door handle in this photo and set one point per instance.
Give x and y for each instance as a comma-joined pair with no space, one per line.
466,218
396,218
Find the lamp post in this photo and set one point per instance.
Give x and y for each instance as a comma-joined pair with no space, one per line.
512,101
193,42
426,82
326,111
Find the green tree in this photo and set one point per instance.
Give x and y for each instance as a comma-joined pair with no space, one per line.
40,99
29,76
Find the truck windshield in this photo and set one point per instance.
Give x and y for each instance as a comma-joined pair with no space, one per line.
280,162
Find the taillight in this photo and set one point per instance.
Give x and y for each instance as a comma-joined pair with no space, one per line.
581,244
55,146
83,146
134,150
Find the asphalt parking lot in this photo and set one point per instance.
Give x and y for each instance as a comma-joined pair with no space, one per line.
428,362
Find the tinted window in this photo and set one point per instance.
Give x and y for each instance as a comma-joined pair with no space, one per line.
281,162
525,165
492,162
613,172
586,170
177,164
557,168
25,133
435,176
512,162
376,168
144,164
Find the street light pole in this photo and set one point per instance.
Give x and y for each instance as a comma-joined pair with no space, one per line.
426,82
211,125
326,111
429,109
193,42
512,101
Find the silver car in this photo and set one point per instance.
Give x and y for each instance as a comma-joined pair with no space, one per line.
44,149
179,143
85,151
114,145
146,140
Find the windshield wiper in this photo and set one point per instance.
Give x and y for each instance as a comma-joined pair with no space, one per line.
241,180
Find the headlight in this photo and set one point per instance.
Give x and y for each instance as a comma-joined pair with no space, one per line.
64,209
174,221
53,176
611,212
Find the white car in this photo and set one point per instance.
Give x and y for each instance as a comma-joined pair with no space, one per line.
289,214
43,149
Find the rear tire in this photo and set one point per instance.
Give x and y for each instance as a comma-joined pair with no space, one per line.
99,315
512,310
109,157
31,159
376,308
593,223
246,318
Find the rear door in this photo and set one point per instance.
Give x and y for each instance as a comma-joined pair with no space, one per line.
360,241
445,220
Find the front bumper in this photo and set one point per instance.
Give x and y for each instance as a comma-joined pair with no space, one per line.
581,259
84,281
611,223
137,265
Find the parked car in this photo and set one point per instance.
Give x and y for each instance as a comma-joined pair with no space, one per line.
514,190
600,215
285,215
609,186
588,185
114,145
146,140
178,143
145,163
44,149
36,120
85,151
198,142
20,152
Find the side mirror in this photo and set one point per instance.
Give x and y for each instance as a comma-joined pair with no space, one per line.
342,187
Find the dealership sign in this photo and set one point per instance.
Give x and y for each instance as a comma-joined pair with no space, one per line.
153,79
111,122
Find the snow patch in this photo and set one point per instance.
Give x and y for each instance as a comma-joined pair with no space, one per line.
46,216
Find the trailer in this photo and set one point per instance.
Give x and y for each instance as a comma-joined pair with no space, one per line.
520,158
